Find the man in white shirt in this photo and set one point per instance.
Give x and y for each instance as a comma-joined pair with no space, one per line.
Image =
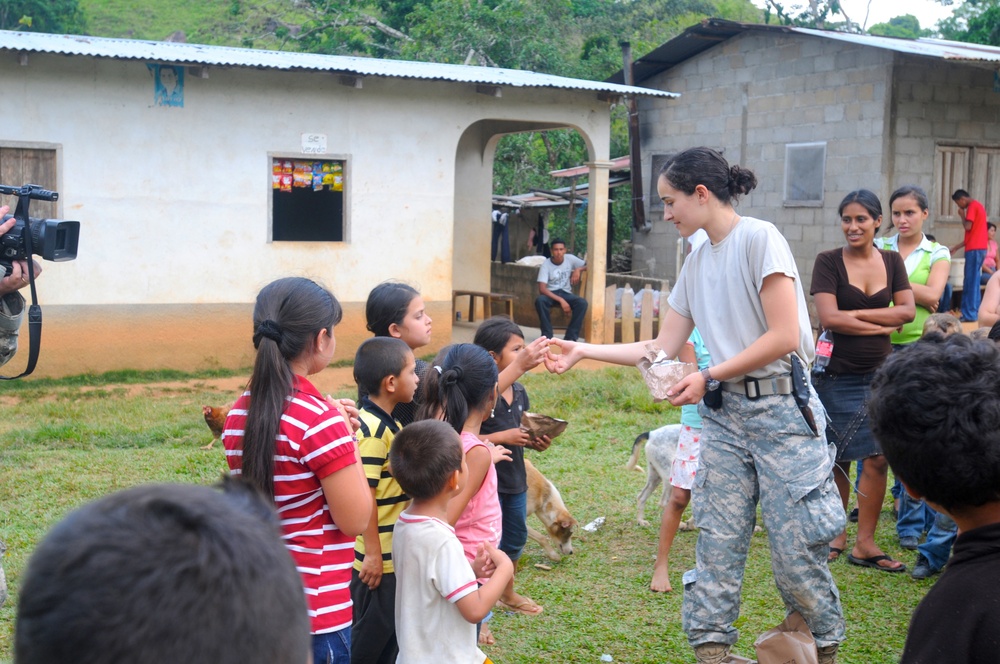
556,278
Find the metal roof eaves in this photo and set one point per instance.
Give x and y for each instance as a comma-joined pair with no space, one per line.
225,56
935,48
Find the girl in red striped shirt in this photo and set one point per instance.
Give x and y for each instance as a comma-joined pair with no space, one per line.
297,448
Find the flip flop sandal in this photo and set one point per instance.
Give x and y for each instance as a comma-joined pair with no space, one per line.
874,563
525,607
834,554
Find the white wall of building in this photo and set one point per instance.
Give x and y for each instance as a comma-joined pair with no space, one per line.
174,202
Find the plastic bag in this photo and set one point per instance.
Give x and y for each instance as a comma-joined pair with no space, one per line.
662,373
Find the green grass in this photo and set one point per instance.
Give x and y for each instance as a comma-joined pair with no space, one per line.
247,23
71,442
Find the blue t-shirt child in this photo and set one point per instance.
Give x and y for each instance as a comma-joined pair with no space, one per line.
689,413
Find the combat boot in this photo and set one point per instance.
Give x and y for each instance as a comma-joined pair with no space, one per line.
827,654
711,653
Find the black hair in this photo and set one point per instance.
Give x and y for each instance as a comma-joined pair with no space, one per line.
866,199
494,334
935,409
686,170
430,407
378,358
960,193
387,304
466,383
990,224
288,315
162,574
553,242
918,194
423,456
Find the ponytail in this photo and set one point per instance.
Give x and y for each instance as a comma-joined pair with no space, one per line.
466,384
287,317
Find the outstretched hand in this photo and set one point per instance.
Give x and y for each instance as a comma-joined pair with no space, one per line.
533,354
572,352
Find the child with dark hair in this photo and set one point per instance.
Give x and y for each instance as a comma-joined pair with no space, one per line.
936,411
503,340
395,309
385,369
466,393
161,574
438,597
295,447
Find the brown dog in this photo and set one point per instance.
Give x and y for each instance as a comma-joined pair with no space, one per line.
545,502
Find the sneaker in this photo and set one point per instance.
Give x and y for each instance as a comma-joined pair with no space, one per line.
923,570
853,516
827,654
909,543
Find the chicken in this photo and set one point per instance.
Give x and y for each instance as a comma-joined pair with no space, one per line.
215,418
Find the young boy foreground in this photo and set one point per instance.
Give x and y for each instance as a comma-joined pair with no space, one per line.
935,408
438,601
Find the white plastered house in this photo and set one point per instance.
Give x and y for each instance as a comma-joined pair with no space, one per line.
167,155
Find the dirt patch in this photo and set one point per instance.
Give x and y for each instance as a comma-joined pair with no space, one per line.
336,381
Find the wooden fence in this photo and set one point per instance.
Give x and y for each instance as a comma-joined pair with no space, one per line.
627,328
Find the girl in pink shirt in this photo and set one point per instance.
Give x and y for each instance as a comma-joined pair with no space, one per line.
462,389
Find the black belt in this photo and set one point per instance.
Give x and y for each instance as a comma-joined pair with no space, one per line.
755,388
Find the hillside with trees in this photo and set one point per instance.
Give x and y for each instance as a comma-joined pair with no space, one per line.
577,38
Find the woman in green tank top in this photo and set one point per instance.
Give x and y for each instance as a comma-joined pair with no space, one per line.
927,262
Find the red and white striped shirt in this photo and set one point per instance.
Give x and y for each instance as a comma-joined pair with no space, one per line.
313,442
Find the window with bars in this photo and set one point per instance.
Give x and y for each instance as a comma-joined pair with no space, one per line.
805,174
19,166
307,199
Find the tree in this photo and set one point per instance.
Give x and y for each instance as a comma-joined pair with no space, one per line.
974,21
813,14
906,26
52,16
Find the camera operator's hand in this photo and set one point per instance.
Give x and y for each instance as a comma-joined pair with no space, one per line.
18,277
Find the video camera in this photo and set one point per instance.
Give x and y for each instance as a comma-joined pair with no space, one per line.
51,239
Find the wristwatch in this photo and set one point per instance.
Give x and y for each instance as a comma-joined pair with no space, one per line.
710,383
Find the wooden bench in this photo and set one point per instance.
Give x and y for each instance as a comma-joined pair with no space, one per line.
504,299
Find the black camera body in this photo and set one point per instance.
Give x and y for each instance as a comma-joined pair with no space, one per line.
50,239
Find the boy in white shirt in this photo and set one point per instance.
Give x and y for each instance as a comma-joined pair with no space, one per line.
438,600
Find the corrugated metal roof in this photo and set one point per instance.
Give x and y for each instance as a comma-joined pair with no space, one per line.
703,36
617,164
224,56
933,48
558,198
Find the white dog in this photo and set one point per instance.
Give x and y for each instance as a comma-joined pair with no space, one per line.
661,447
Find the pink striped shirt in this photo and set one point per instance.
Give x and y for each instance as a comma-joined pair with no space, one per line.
313,442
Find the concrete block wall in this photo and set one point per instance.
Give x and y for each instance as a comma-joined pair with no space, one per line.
751,95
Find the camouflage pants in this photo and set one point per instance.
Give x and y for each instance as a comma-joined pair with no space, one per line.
763,451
